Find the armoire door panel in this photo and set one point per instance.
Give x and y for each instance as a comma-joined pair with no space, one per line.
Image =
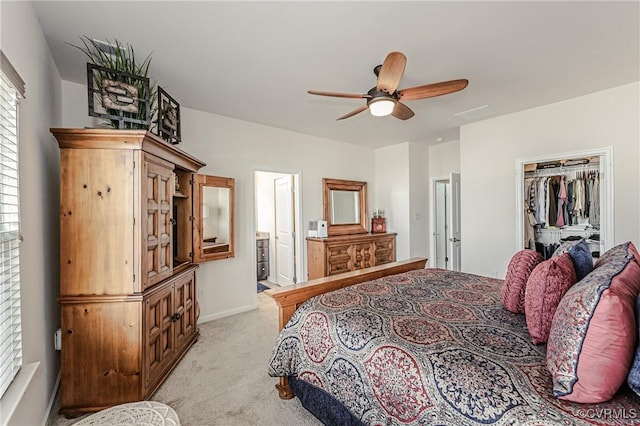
105,350
159,342
158,197
185,309
96,222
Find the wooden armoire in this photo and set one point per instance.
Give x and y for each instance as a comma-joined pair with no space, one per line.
127,279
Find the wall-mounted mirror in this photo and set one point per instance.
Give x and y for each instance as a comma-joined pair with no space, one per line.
213,201
345,206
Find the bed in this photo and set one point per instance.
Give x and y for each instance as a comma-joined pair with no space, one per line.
400,344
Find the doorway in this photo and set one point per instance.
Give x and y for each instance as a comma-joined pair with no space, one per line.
445,222
277,225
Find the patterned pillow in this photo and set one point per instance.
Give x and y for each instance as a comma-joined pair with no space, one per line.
565,246
634,374
593,331
582,260
518,271
548,282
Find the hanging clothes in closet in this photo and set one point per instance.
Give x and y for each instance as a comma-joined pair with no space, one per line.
562,200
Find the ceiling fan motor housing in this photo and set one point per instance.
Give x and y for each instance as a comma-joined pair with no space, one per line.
376,94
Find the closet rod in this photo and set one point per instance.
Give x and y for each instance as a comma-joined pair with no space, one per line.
562,169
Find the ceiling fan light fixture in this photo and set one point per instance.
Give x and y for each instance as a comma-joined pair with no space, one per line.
381,106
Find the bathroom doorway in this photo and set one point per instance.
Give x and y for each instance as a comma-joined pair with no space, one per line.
277,227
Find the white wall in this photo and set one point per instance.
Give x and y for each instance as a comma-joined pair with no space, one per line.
444,158
402,181
236,149
488,153
392,193
23,43
419,199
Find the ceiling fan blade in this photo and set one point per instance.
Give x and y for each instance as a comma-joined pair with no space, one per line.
337,94
354,112
432,90
402,111
391,72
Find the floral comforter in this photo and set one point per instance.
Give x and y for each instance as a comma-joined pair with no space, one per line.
430,347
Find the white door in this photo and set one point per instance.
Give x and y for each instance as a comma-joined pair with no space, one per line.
454,222
284,218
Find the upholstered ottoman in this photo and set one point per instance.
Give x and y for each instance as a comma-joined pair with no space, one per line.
144,413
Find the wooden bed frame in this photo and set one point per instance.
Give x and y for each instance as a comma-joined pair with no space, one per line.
290,297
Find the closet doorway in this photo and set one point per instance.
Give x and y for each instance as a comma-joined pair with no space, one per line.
445,222
565,197
277,214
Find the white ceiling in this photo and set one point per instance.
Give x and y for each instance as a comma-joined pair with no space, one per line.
254,61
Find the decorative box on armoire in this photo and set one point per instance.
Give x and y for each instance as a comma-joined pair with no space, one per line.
127,288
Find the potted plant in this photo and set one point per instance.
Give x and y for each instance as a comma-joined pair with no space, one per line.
119,88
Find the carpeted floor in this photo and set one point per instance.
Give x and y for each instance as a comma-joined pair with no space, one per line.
223,379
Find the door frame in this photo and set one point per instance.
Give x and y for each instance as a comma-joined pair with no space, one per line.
432,220
606,191
297,241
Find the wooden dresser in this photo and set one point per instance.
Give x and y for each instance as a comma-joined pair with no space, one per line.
344,253
127,278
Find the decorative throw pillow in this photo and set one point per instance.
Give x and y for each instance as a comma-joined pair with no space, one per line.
518,271
548,282
593,332
634,374
582,260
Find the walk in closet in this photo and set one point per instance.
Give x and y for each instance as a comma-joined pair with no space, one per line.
563,200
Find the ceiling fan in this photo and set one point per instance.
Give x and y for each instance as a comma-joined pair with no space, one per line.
384,99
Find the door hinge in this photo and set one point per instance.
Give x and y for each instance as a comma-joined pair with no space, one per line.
295,279
293,234
134,221
446,259
191,255
134,278
190,218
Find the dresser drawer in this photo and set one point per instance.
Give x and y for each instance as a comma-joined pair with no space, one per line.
262,243
262,270
262,254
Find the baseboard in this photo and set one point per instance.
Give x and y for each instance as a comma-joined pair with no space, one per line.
218,315
52,400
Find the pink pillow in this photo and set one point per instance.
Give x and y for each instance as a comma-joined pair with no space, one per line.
593,332
548,282
518,271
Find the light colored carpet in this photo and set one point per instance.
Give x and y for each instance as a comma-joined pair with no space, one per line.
223,378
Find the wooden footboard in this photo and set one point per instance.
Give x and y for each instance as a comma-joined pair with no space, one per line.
290,297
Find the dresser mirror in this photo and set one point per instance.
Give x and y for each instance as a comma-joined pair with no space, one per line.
213,200
345,206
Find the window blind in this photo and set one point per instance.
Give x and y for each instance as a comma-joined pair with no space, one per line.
10,316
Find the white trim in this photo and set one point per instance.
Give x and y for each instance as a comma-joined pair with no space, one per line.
52,400
228,313
13,396
606,191
432,217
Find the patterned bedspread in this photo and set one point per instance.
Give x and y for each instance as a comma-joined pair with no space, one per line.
430,347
